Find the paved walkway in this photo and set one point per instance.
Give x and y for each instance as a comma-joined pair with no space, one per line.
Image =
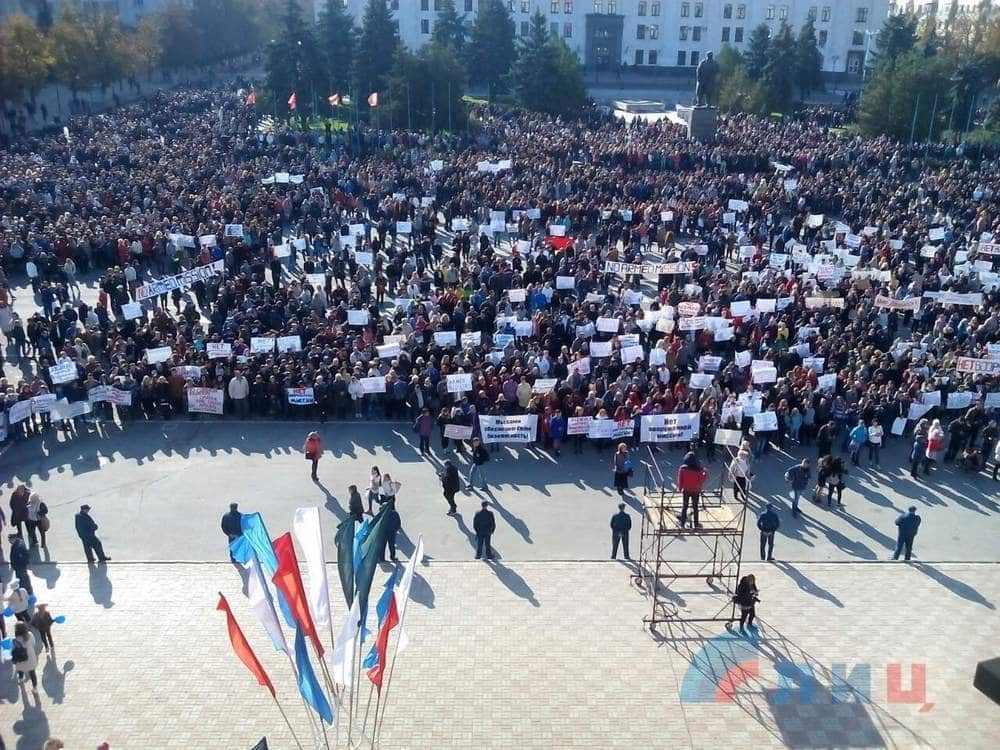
534,655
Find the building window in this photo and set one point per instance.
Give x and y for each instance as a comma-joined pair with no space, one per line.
598,6
694,57
858,39
425,26
510,5
685,10
567,30
727,10
696,33
639,57
812,13
862,16
654,31
699,10
525,28
642,8
825,16
468,6
424,4
821,38
554,7
741,11
612,6
683,33
770,13
568,6
725,33
854,64
654,9
783,12
437,5
395,4
738,35
681,59
525,5
653,57
554,28
640,31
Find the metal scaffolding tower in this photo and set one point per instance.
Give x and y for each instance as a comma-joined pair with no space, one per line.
672,558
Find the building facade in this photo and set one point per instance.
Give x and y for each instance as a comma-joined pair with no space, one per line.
129,11
606,34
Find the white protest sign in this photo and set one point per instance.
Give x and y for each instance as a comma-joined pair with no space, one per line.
765,421
445,338
205,400
600,348
132,310
578,425
728,437
669,428
700,380
289,344
301,396
473,338
544,385
565,282
357,317
516,295
388,351
458,431
219,350
159,354
261,344
608,325
631,354
65,372
375,384
514,429
460,382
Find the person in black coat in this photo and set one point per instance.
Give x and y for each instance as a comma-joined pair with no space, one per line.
621,523
392,526
746,598
355,506
232,526
484,525
86,529
20,557
450,484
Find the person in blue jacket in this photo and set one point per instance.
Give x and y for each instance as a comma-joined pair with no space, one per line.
859,436
557,431
768,523
907,523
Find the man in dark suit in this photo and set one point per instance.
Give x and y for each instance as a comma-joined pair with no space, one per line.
621,524
86,529
484,525
232,526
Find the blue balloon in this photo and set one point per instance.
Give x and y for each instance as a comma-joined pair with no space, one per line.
31,600
8,612
7,643
61,619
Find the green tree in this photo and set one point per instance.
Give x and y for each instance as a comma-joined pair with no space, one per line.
897,37
492,47
293,63
756,56
180,45
449,28
729,61
896,92
737,93
779,75
226,28
808,61
336,34
108,45
425,88
378,42
28,53
74,59
546,76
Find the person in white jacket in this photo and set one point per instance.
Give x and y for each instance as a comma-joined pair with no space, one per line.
17,599
26,639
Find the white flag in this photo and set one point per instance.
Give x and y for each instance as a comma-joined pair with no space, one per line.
262,604
403,592
305,526
342,657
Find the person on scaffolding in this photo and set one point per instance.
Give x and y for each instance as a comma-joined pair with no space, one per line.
690,481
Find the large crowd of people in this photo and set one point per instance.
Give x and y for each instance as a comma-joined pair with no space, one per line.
834,281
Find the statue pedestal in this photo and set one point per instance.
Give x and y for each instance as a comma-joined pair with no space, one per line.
702,122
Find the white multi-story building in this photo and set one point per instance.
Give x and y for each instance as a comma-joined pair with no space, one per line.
667,33
943,9
129,11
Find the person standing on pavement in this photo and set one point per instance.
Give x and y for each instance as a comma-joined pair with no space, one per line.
906,525
24,655
388,489
798,478
42,622
858,436
38,520
374,485
480,457
740,470
19,508
239,394
17,599
424,427
621,524
20,557
86,529
393,524
621,465
746,598
355,506
450,484
875,434
313,449
484,524
232,526
768,523
690,481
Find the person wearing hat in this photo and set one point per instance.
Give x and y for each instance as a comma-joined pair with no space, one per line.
484,524
232,526
42,622
621,523
86,529
907,524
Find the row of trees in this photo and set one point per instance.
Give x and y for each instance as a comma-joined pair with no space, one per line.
772,70
422,88
83,51
926,80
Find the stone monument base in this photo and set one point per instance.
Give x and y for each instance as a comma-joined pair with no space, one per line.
702,122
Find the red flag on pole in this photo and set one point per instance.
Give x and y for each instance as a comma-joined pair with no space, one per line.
242,648
559,243
292,101
334,100
373,99
251,98
288,579
382,644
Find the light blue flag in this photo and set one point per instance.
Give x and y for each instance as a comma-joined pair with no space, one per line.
308,685
358,536
256,541
381,608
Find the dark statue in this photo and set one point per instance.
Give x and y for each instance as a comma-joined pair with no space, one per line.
705,89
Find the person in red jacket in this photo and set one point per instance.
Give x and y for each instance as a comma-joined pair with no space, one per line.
690,481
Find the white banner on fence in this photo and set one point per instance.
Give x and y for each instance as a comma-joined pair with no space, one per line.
205,400
180,281
669,428
515,429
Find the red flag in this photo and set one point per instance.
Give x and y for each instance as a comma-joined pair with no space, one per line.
242,648
251,98
288,579
373,99
382,644
292,101
559,243
334,100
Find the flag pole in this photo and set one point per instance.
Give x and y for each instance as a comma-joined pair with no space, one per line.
388,679
295,674
378,702
287,722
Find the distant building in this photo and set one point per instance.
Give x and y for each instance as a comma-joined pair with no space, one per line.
674,34
942,9
129,11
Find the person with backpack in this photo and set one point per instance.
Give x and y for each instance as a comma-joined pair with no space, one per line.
798,478
24,655
480,456
450,484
